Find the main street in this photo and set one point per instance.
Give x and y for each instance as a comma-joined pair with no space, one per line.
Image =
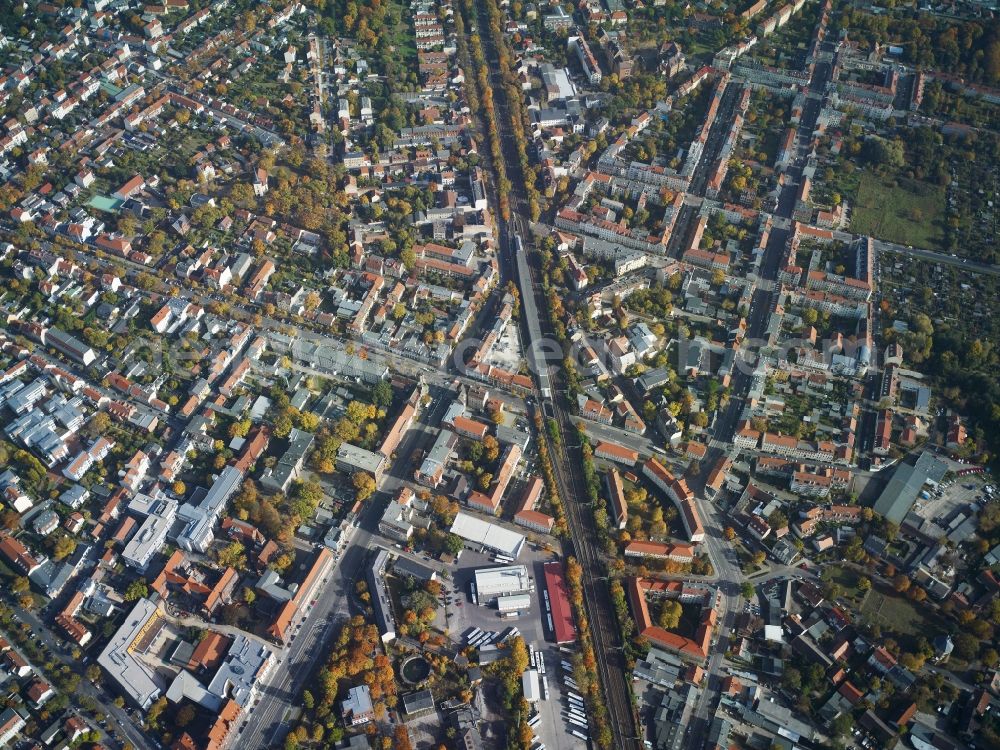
727,573
722,555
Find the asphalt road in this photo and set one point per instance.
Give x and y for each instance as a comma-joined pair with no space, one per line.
721,553
929,255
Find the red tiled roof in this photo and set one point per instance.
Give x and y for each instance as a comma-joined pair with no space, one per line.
563,625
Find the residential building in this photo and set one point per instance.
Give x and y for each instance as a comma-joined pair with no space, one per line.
357,708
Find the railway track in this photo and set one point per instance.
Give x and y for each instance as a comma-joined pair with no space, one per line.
598,606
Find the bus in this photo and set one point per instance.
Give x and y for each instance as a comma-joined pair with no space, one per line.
577,722
473,635
531,657
533,721
579,734
502,559
511,633
567,666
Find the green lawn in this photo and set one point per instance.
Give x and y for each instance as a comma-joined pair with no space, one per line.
847,579
895,612
910,213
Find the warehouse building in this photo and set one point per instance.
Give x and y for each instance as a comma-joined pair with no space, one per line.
482,536
511,580
513,603
560,614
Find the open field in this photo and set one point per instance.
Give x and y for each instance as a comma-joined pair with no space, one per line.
910,213
895,612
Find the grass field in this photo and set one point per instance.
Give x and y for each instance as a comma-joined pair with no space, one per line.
848,581
895,612
910,213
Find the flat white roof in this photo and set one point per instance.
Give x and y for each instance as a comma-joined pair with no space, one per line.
508,579
487,534
137,680
514,603
529,684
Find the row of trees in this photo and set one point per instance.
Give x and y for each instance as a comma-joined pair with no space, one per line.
548,475
481,103
516,107
586,671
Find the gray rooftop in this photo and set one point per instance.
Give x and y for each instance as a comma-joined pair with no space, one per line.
407,567
899,495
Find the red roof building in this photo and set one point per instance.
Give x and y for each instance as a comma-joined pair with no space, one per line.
563,625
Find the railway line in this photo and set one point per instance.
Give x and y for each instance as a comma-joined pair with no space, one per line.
515,263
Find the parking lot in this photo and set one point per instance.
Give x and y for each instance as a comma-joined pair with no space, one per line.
553,730
959,493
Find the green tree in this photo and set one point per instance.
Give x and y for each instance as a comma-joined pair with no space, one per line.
364,485
453,544
382,394
233,556
138,589
670,615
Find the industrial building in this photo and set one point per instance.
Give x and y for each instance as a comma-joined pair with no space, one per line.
489,537
511,580
560,614
901,493
530,686
514,603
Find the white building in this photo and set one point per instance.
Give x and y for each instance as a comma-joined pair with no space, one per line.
510,580
481,535
136,679
202,518
160,512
